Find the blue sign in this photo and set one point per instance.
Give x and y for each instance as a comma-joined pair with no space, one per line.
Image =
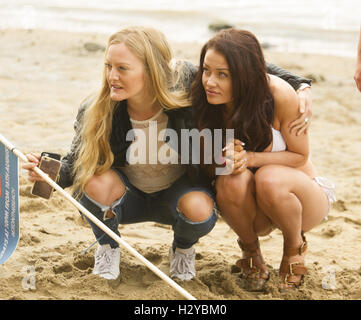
9,203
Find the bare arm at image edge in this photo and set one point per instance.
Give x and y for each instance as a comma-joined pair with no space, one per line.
357,75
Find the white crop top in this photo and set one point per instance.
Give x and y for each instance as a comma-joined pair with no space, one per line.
278,143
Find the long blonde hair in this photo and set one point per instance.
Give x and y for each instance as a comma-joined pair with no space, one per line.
151,47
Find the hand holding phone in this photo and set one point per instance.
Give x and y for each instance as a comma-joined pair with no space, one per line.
55,156
51,167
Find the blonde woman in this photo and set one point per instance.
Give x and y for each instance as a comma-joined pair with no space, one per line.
139,99
135,95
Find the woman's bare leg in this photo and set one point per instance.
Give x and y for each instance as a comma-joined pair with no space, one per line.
292,201
237,203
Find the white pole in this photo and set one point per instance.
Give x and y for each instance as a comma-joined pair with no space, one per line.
101,225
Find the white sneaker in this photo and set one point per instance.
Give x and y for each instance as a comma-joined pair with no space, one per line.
182,263
107,262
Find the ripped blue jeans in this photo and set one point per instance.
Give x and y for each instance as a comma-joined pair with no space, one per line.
136,206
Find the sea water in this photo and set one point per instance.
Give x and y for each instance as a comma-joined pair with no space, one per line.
310,26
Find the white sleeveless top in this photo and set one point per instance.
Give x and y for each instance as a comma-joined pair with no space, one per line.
278,143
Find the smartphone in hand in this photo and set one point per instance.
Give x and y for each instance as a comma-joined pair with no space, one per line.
50,166
55,156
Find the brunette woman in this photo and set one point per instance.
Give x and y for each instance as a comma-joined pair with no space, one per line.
272,182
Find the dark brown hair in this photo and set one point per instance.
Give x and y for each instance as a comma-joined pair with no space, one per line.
253,103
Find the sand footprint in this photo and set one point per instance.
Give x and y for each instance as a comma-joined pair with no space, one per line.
83,262
153,257
331,231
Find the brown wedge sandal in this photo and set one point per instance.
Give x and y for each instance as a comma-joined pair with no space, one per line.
292,273
253,268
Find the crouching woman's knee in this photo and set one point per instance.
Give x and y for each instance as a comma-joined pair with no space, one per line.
197,215
234,188
196,206
268,185
105,188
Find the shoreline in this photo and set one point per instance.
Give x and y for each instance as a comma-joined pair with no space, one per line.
267,45
44,75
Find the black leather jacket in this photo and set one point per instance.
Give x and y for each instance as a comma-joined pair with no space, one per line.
178,119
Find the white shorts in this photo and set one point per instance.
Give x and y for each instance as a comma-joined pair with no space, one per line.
329,188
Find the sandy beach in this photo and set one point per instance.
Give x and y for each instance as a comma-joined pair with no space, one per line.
44,75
